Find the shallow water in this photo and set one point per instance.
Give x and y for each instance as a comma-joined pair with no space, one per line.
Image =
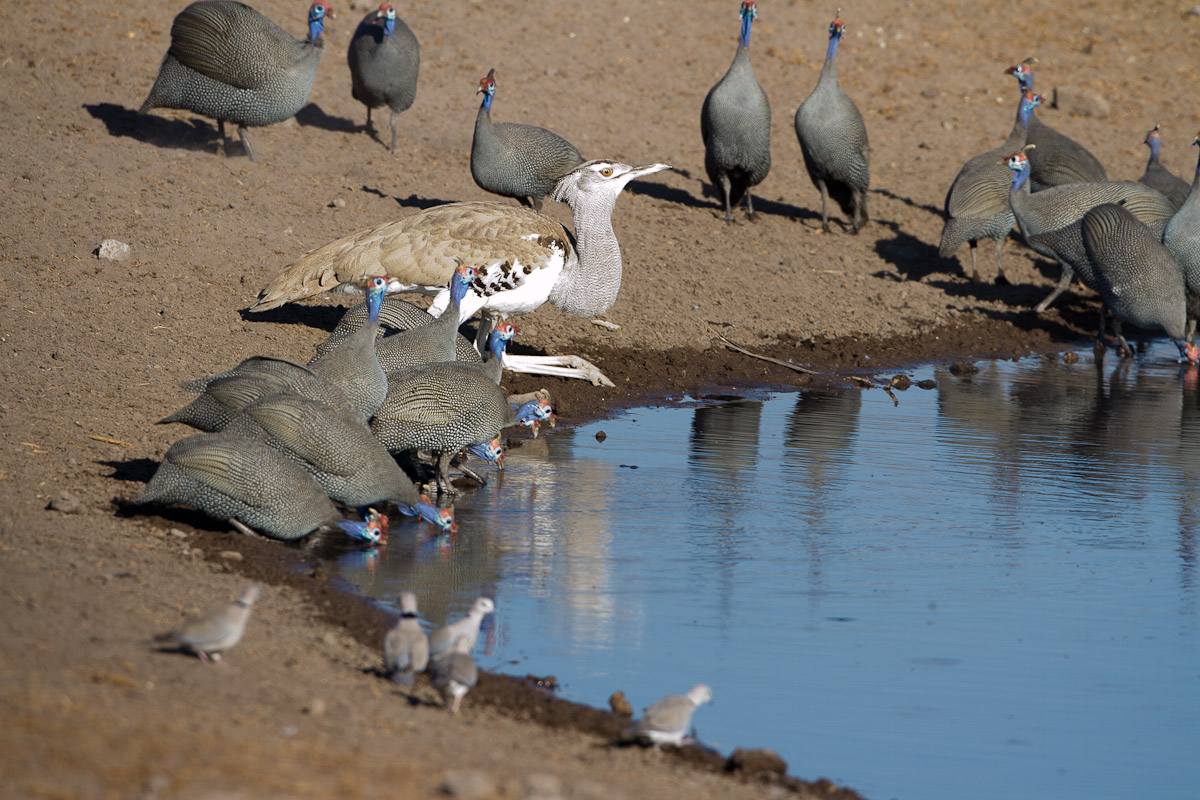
988,590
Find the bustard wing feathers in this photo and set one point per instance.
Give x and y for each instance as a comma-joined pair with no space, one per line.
422,250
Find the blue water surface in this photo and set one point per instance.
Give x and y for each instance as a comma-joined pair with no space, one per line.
986,590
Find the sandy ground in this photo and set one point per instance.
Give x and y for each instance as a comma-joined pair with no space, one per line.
92,352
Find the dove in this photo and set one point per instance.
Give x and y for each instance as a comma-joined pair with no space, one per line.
211,634
455,673
405,648
441,641
668,720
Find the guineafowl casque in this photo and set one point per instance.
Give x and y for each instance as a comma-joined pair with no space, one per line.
247,482
384,61
521,258
446,407
1182,238
735,123
1058,159
1172,186
229,62
1138,279
833,140
977,204
519,161
1049,219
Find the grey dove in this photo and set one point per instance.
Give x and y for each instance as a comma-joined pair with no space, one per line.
833,140
384,60
514,160
521,258
455,674
229,62
211,634
406,647
441,641
668,720
735,124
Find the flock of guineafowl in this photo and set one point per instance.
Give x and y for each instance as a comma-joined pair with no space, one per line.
288,449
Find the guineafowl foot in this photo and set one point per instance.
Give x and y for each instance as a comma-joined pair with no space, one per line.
1098,350
245,137
243,527
1002,279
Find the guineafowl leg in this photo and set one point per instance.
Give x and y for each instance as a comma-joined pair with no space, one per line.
1064,281
221,151
860,212
243,527
824,206
749,207
393,123
244,135
1123,348
1190,333
442,463
726,190
369,127
1001,278
487,324
972,246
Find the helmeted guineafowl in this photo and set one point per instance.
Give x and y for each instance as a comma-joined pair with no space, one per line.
222,397
1058,159
1049,219
1182,238
234,478
384,61
336,447
229,62
430,343
1138,279
395,316
977,204
515,160
521,258
353,366
735,124
833,140
1172,186
446,407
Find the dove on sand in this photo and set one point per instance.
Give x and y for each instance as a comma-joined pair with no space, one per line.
668,720
211,634
406,647
455,673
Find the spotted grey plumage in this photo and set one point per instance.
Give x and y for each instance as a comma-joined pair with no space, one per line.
244,479
1058,159
515,160
833,140
977,204
353,365
735,124
1138,279
1049,219
229,62
1182,238
395,316
384,60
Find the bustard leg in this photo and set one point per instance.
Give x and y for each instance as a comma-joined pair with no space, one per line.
558,366
245,137
393,121
1064,281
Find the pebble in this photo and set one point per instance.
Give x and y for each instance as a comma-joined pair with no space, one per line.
1070,358
543,787
338,203
601,436
231,555
757,761
112,250
65,503
316,707
178,534
1081,102
468,784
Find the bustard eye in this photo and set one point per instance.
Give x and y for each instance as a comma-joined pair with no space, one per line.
606,172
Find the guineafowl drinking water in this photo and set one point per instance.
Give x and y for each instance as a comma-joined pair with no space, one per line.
384,61
514,160
735,123
229,62
833,140
1137,277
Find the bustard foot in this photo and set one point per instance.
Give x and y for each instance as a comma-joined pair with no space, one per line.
558,366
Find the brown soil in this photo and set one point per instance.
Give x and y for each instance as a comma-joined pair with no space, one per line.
92,352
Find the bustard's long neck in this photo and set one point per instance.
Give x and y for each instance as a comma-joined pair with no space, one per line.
591,278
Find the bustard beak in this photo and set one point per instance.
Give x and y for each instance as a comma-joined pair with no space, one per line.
648,169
